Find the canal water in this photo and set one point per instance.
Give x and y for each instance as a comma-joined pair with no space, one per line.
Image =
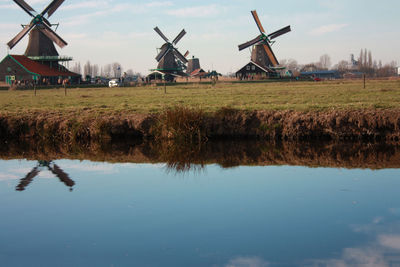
87,213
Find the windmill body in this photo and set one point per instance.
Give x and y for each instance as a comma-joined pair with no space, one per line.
263,60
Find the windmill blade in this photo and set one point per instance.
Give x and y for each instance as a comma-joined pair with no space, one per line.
186,54
279,32
27,8
161,34
270,54
162,54
57,171
258,22
27,179
53,36
20,35
180,56
179,37
250,43
52,7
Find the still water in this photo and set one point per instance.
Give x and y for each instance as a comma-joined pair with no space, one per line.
85,213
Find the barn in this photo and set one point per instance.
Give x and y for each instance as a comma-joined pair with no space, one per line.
253,71
17,69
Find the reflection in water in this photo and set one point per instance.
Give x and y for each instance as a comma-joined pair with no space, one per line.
227,154
53,168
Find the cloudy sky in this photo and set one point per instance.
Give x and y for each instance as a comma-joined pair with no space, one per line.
106,31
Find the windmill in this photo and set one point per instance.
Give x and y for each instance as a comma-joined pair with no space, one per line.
262,53
170,60
41,36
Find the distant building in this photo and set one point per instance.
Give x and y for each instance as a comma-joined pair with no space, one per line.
16,68
254,71
321,74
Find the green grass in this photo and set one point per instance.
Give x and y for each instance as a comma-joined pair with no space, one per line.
300,96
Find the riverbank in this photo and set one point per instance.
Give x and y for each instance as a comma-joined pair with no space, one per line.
332,110
192,125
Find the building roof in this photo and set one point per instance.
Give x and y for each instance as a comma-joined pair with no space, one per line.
265,69
320,72
40,69
198,72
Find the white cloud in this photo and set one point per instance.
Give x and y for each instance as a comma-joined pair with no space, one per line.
7,176
390,241
195,12
247,262
328,29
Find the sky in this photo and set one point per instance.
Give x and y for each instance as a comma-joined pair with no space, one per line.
107,31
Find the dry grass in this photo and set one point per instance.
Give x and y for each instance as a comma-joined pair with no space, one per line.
300,96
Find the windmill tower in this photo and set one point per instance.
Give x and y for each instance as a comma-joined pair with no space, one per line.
170,60
41,36
194,64
262,53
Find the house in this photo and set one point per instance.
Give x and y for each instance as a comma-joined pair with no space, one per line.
321,74
18,68
253,71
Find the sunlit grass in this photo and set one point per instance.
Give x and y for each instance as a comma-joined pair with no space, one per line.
300,96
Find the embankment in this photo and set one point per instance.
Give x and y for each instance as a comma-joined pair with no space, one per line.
193,125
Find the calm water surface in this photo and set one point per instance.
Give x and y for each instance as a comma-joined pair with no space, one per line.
102,214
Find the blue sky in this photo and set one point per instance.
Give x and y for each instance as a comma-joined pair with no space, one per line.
106,31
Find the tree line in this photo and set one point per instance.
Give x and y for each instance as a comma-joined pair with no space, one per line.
112,70
364,63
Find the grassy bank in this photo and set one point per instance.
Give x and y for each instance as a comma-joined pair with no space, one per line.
302,96
336,110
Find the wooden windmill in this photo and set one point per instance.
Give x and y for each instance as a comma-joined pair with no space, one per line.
262,53
170,60
41,36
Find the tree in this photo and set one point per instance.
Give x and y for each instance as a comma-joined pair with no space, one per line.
116,69
325,62
343,66
95,70
77,68
87,69
290,64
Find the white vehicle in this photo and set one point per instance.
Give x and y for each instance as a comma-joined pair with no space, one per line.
113,83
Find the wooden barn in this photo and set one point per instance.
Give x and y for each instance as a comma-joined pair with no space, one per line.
253,71
17,69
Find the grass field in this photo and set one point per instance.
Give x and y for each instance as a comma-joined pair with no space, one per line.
300,96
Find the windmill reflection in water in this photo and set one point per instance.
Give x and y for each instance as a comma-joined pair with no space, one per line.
53,168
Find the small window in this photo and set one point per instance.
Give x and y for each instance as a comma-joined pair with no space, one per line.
9,69
248,68
253,67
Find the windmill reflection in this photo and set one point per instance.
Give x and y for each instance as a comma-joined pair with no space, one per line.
53,168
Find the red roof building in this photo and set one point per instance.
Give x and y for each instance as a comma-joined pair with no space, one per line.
22,68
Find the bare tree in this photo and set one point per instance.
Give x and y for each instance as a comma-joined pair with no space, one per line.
325,62
116,69
290,64
77,68
106,71
95,70
343,66
87,69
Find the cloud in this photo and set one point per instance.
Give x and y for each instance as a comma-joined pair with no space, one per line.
390,241
7,176
195,12
328,29
247,262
